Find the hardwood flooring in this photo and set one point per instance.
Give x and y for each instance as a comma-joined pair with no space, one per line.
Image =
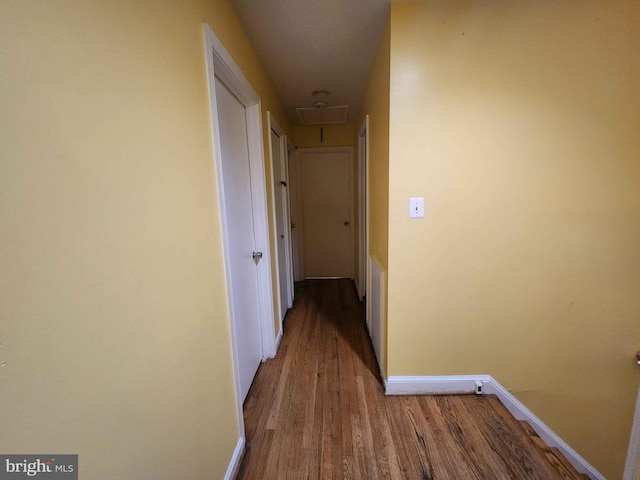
318,411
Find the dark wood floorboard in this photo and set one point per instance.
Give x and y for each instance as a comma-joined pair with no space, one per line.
318,411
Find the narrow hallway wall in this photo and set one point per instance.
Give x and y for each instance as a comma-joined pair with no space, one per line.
517,122
114,328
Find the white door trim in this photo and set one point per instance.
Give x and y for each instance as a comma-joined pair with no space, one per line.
296,218
236,458
280,172
632,466
363,208
290,149
221,65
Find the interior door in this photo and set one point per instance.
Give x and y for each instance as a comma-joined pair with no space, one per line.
283,234
326,191
240,228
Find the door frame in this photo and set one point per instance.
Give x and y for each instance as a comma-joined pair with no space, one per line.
296,218
363,208
220,64
288,148
279,168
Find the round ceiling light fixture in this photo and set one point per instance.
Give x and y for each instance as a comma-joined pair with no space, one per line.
321,98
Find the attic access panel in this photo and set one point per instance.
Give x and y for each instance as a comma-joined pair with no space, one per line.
326,115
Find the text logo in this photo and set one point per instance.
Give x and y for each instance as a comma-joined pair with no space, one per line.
45,467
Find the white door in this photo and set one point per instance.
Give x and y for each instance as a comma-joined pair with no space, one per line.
281,194
236,176
326,192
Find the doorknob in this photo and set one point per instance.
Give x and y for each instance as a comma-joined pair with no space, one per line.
257,256
346,224
293,225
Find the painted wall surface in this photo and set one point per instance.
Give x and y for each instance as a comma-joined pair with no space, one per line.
376,104
332,136
518,123
113,320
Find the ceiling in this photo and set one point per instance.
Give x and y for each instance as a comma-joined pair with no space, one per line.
308,45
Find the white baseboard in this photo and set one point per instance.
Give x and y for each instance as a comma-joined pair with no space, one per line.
433,385
520,412
234,464
458,384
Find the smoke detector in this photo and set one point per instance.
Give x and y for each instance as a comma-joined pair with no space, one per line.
320,97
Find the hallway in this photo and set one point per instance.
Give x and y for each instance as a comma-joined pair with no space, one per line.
318,410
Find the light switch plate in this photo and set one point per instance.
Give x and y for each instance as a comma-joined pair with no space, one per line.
416,207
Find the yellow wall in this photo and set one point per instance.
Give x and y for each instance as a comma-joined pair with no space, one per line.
114,325
376,104
518,123
333,136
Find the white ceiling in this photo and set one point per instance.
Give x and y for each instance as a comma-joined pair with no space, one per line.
307,45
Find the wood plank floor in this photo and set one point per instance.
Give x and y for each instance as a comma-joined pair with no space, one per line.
318,411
